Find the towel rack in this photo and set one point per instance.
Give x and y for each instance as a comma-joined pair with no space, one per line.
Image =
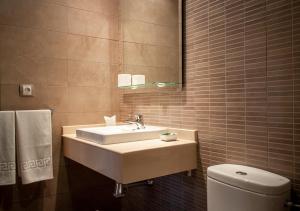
51,110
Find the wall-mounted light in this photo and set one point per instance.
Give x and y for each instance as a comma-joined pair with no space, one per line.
128,80
124,80
138,79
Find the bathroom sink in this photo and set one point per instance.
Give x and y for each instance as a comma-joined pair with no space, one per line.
131,162
119,133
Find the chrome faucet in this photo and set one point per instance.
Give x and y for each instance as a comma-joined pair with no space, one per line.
138,120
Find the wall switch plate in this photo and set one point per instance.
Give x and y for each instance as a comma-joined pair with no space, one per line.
26,90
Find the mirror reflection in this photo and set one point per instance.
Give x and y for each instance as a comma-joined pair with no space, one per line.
151,42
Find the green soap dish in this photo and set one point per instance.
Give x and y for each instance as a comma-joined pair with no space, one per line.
168,136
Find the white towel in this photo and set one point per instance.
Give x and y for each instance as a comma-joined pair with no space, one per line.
110,121
7,148
34,144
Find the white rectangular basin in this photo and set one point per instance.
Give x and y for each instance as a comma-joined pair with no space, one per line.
119,133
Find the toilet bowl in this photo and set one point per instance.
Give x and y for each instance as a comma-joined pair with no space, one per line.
241,188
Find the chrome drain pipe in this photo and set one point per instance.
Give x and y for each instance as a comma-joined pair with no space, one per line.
118,193
119,187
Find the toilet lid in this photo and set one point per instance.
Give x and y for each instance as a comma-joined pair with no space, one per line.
249,178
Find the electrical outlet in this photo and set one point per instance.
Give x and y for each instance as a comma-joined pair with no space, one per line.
26,90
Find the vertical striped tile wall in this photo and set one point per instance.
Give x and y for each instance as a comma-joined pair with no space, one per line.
242,93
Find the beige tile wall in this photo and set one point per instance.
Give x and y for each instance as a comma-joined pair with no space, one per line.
241,90
241,93
68,49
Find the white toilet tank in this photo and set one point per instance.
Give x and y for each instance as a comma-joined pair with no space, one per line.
242,188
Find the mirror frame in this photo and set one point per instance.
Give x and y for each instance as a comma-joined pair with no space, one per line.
180,50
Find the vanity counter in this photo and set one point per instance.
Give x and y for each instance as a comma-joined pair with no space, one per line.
133,161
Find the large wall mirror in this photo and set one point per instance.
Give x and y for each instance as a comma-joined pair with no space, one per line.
151,35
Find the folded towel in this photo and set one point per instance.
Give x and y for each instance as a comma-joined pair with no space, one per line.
34,145
7,148
110,121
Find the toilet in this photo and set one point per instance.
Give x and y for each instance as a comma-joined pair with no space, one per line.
241,188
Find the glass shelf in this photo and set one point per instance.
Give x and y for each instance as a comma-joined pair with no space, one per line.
151,85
